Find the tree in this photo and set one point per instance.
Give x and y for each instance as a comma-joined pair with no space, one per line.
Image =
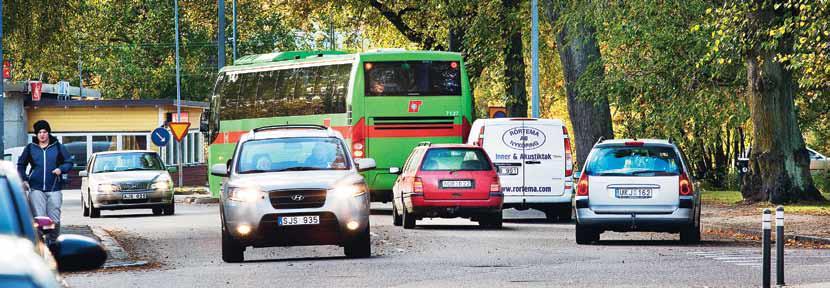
514,65
762,33
580,56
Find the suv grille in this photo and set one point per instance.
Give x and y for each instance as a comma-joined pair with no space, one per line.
296,199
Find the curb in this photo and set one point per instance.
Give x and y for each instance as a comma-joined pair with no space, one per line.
117,256
198,200
788,236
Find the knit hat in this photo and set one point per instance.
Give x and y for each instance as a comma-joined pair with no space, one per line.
42,125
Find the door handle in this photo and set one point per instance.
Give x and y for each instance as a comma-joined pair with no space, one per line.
533,162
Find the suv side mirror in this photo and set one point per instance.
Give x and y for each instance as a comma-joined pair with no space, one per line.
395,170
220,170
172,169
83,174
365,164
78,253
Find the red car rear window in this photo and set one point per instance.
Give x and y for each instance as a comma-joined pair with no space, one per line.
455,159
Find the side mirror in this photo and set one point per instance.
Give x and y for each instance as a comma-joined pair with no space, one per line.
365,164
577,175
395,170
172,169
83,174
78,253
220,170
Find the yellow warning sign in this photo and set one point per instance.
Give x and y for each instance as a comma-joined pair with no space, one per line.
179,129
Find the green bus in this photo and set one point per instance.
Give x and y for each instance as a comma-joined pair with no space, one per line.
384,102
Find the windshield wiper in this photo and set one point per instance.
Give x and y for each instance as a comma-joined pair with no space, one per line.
104,171
253,171
301,168
139,169
613,174
655,172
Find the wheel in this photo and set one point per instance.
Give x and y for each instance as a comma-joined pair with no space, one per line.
232,250
169,209
565,213
397,219
93,212
84,204
157,211
494,220
360,246
558,213
585,235
690,235
408,219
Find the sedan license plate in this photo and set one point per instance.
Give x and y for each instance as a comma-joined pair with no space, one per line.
633,193
508,170
298,220
134,196
456,184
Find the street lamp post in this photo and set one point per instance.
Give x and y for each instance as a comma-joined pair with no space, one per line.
178,87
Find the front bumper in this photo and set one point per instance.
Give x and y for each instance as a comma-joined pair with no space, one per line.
675,221
262,218
116,201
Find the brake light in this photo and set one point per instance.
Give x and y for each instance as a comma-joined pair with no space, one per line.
417,185
358,139
634,143
480,142
569,164
685,185
495,186
582,186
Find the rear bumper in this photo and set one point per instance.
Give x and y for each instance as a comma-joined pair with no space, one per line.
675,221
421,207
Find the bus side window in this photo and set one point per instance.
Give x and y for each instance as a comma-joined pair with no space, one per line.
230,98
267,91
247,96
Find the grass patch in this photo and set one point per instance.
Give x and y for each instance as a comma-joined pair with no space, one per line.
734,198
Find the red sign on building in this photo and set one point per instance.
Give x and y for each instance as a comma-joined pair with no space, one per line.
35,88
7,69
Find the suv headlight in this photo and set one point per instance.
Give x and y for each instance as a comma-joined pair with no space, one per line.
349,190
244,194
108,188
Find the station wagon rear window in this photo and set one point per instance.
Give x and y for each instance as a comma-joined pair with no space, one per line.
412,78
634,161
455,159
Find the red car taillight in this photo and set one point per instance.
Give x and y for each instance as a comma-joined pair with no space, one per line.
417,185
495,186
480,141
582,186
569,164
685,185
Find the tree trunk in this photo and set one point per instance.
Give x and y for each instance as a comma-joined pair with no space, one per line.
591,117
514,63
779,165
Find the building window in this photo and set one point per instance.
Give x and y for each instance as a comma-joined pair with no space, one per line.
134,142
191,148
104,143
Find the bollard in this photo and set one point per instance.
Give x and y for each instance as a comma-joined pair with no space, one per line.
766,247
779,245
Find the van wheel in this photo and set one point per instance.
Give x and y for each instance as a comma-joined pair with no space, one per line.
169,209
493,220
558,213
397,219
232,250
93,212
585,235
408,219
360,246
690,235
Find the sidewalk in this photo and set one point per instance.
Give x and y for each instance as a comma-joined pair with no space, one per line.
799,229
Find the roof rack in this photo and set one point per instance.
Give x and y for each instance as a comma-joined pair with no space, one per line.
601,138
424,143
290,126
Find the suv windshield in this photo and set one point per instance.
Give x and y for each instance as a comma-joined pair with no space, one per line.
127,162
292,154
634,161
455,159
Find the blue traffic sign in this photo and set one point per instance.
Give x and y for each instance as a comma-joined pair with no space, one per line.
160,137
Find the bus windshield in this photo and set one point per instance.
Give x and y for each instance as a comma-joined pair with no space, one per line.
412,78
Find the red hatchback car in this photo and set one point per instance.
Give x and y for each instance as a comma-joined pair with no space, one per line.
447,181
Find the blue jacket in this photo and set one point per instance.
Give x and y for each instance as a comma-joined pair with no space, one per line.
43,161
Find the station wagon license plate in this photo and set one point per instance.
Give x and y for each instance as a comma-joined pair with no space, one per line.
298,220
633,193
134,196
456,184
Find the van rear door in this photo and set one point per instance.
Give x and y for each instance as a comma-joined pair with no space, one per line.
509,166
544,158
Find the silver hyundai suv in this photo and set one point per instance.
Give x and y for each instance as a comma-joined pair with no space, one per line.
293,185
636,185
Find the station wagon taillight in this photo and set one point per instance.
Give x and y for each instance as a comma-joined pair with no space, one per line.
685,185
495,186
569,164
582,185
417,185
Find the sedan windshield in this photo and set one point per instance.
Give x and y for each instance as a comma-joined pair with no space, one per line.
292,154
633,161
127,162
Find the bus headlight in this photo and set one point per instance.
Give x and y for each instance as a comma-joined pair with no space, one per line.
349,190
244,194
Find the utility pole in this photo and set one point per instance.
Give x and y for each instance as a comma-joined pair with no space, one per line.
178,88
2,87
220,39
234,31
534,56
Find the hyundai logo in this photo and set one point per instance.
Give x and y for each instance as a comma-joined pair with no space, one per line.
297,197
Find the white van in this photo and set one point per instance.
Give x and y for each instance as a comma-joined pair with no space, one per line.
533,157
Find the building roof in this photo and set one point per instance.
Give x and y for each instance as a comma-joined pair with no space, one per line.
113,103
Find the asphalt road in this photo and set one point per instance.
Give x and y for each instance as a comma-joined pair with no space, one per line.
184,251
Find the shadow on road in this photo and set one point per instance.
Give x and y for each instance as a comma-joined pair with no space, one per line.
330,258
676,243
537,221
459,227
131,215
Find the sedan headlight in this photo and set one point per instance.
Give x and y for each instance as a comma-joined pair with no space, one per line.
244,194
349,190
108,188
162,185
